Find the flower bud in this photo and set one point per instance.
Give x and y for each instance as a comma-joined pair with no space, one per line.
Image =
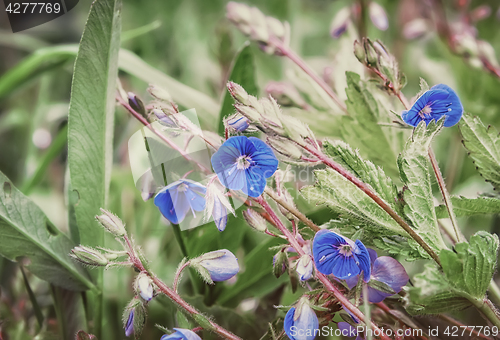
164,119
284,147
159,93
181,334
249,20
480,13
301,319
144,287
111,223
238,123
238,92
371,54
136,103
305,267
280,261
360,52
340,22
255,220
134,318
378,16
147,186
88,256
415,29
248,112
220,264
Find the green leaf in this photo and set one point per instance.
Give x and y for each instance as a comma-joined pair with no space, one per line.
463,206
27,234
347,199
90,127
365,170
415,173
483,144
242,73
471,266
361,128
432,294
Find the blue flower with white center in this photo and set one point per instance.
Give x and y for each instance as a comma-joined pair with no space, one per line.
181,334
384,269
243,163
301,323
176,199
334,254
435,103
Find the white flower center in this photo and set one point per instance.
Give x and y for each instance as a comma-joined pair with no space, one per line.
425,111
243,162
345,250
182,187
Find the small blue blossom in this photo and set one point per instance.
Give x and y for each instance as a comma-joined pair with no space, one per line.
435,103
384,269
181,334
334,254
145,288
243,163
301,323
305,267
238,123
129,326
221,264
347,330
176,199
219,214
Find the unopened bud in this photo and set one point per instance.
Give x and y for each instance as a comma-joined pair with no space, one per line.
305,267
238,92
371,54
220,264
276,28
359,52
340,22
111,223
254,220
164,119
378,16
248,112
144,287
134,318
284,147
136,103
238,123
280,262
89,256
415,29
159,93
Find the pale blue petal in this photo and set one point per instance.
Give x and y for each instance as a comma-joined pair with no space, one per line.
255,182
222,268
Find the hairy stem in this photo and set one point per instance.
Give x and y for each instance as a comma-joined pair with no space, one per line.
326,282
178,274
291,209
446,196
172,294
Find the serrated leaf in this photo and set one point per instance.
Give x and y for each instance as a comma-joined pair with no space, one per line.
463,206
365,170
345,198
361,128
431,294
242,73
471,267
26,233
483,144
414,167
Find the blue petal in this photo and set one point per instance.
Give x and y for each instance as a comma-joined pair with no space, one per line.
348,330
453,116
233,178
325,250
129,327
391,272
219,214
363,258
344,267
163,200
307,324
288,323
264,157
222,268
255,182
194,200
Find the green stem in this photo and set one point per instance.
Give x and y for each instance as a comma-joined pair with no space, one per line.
494,292
488,310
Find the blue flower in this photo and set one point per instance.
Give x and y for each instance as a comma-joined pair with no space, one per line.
243,163
181,334
301,323
439,101
384,269
221,264
129,326
176,199
334,254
